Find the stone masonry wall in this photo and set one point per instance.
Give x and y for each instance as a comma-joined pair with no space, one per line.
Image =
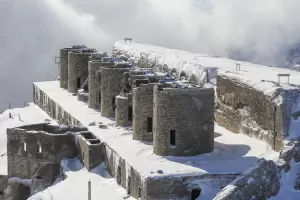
112,82
94,82
189,115
123,110
77,69
24,162
63,71
142,101
90,150
244,109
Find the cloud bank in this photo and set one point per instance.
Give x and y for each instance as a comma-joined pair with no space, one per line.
32,32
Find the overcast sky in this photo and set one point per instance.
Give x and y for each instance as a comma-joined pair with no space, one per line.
32,31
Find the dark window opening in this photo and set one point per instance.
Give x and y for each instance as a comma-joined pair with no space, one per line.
119,175
130,113
128,186
172,137
82,156
1,193
114,103
78,83
140,192
195,194
241,105
149,124
99,96
38,177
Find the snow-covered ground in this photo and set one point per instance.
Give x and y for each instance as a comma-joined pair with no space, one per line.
28,115
263,78
75,186
234,152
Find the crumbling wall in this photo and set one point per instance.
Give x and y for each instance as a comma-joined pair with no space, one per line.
90,150
183,121
142,101
124,110
77,70
112,82
181,187
30,150
3,185
95,81
241,108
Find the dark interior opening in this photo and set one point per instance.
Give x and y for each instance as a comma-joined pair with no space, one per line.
241,105
1,193
130,113
114,103
94,141
78,83
195,194
119,175
172,137
87,135
38,177
99,96
128,186
149,124
140,192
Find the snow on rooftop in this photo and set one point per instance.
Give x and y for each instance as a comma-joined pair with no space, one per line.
233,152
262,78
31,114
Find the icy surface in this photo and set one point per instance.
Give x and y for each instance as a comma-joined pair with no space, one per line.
233,153
262,78
75,186
28,115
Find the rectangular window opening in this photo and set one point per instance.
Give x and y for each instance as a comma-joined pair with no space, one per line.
114,103
149,124
83,156
172,137
130,113
140,192
78,83
99,96
39,148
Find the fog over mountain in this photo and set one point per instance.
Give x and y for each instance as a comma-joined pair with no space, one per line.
32,32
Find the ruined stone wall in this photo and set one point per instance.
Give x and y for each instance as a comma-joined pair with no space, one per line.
90,150
142,101
94,82
46,104
3,185
77,70
124,110
181,187
63,71
112,82
241,108
188,115
41,148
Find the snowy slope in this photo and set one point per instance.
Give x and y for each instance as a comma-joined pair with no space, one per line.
263,78
30,114
75,186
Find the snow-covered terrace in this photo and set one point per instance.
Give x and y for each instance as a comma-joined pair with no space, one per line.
233,152
262,78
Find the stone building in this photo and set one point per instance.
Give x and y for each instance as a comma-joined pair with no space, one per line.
183,121
30,148
112,83
63,71
94,82
143,112
124,110
78,69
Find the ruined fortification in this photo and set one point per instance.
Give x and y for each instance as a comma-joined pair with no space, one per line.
170,112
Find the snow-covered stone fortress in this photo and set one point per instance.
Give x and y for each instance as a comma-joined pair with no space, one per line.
164,122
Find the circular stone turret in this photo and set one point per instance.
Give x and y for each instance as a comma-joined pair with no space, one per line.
94,82
183,122
77,70
63,71
124,110
112,82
